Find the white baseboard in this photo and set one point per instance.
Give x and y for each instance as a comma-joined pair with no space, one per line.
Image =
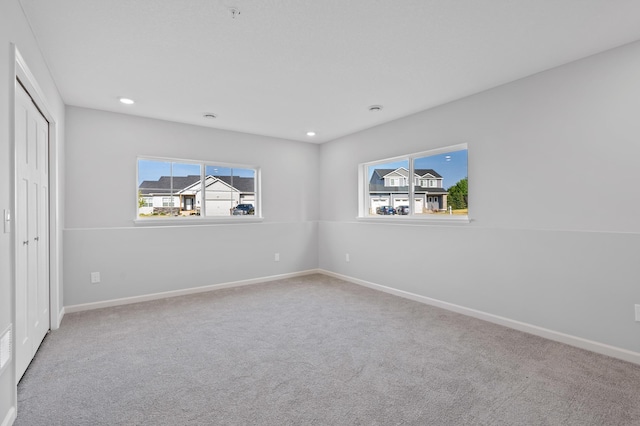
60,316
579,342
182,292
10,417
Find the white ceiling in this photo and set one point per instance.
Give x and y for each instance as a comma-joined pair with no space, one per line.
284,67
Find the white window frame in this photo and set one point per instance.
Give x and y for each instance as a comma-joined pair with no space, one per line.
411,218
202,220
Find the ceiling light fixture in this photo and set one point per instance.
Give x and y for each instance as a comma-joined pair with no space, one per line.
375,108
209,115
127,101
311,133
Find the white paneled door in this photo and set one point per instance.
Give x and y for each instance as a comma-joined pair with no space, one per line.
32,228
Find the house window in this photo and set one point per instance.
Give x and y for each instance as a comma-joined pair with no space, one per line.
229,191
439,189
195,190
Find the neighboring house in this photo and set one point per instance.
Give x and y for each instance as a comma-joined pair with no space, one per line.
182,195
390,187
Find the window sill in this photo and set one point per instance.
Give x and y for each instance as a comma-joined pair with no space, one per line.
412,220
191,221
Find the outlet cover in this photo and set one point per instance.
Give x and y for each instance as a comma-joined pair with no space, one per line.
95,277
638,313
276,258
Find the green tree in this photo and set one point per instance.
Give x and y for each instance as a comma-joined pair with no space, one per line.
458,195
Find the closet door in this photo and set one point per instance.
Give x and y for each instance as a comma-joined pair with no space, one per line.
32,228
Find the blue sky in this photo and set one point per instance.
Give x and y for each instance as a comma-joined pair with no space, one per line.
452,166
154,169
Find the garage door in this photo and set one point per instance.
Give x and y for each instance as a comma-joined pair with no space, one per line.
400,202
219,207
378,202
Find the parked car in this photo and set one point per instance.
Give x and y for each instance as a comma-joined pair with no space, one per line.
386,210
241,209
402,210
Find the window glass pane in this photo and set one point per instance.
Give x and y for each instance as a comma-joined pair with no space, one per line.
441,184
388,188
180,188
229,191
167,189
423,184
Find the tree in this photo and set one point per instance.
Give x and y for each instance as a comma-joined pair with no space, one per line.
458,195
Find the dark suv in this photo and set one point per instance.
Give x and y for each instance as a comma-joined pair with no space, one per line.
244,209
385,210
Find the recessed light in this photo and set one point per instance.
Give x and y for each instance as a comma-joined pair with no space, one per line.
311,133
209,115
375,108
127,101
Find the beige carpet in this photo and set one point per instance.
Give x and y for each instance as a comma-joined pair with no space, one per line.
313,351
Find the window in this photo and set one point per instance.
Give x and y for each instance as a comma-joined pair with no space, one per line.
439,187
189,189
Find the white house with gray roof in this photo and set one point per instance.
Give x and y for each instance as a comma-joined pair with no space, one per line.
182,195
390,187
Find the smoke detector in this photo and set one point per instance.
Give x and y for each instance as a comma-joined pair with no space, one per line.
375,108
209,115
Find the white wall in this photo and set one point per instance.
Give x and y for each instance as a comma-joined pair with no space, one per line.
100,234
15,29
553,180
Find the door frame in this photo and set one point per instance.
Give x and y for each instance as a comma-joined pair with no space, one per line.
29,82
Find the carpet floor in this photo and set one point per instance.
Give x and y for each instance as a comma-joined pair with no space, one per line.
313,350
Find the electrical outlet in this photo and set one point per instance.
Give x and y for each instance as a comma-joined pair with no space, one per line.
638,313
276,258
346,257
95,277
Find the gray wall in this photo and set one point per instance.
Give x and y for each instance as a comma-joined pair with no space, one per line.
15,29
553,181
100,234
